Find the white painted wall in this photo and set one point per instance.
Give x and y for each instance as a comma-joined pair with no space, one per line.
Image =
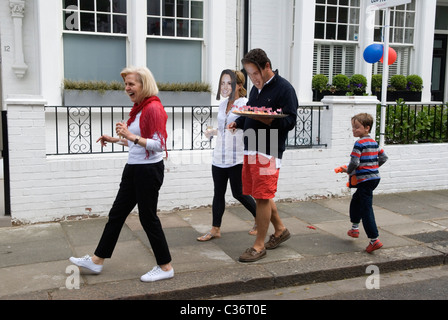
302,51
424,39
30,83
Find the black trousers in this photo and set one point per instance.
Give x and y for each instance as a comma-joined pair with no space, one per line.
140,185
220,178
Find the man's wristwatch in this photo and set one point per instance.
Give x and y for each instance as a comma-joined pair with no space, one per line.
136,139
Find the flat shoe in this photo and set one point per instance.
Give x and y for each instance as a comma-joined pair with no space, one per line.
157,274
252,255
374,246
353,233
207,237
87,263
274,241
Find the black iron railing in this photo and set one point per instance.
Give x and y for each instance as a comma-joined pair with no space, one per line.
74,130
415,123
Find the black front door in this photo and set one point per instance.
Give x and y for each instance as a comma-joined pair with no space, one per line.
439,67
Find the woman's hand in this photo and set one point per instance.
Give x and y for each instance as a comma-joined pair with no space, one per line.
104,139
232,126
122,130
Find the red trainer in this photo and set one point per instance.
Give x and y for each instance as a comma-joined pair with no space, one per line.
354,233
375,246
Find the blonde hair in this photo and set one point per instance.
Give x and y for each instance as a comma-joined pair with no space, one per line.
145,77
240,79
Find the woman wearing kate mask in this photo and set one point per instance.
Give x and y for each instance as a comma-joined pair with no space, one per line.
145,135
228,153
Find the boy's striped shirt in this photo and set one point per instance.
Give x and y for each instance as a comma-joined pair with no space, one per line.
366,157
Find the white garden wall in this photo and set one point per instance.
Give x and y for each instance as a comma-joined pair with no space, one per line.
56,187
415,167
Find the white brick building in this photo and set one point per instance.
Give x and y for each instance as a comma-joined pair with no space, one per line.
43,42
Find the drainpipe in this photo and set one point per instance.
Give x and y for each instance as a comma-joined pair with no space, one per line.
246,26
5,156
246,36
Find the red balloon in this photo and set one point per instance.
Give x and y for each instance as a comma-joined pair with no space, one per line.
392,56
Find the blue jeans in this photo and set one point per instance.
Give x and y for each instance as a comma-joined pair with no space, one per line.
361,207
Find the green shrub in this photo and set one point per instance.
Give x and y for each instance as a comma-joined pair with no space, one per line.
358,83
377,82
414,83
103,86
341,82
398,82
189,86
320,82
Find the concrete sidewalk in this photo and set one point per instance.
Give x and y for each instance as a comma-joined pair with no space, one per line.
413,227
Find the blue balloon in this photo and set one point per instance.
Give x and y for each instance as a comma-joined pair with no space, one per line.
373,53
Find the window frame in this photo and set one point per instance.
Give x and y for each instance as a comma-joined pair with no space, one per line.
405,50
405,55
70,10
332,47
346,47
176,18
405,10
338,7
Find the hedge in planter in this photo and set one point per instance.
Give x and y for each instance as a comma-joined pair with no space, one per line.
377,84
414,83
319,85
407,88
358,84
342,84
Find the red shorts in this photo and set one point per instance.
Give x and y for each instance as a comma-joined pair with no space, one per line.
260,176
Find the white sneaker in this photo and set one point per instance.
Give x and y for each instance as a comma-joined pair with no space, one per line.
86,262
157,274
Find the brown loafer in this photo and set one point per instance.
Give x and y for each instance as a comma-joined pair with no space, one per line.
274,241
252,255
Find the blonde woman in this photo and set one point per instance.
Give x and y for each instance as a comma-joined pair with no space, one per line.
145,135
228,153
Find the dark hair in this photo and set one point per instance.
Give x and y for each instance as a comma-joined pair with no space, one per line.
233,79
257,57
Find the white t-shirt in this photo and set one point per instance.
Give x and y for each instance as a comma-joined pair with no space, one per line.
229,149
137,154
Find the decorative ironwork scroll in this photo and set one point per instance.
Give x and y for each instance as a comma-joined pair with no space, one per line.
72,128
201,119
79,130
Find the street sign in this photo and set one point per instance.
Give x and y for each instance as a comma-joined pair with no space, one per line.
382,4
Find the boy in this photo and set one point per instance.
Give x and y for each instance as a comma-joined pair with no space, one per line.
366,158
